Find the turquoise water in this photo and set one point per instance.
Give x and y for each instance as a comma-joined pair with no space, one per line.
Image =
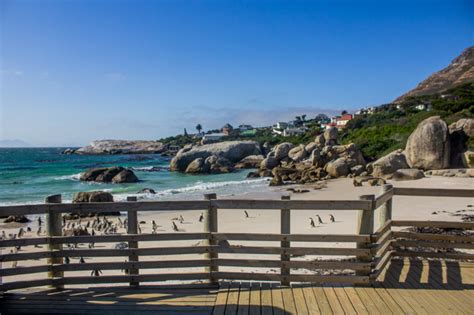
28,175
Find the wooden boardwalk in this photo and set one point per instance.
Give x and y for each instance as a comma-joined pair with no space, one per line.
405,287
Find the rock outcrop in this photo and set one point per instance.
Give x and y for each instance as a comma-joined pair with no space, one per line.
428,147
459,134
407,174
120,147
389,164
251,161
219,154
91,196
317,160
115,174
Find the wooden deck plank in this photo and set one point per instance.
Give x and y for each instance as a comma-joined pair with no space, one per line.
430,303
288,300
393,282
333,300
311,302
344,300
300,301
244,299
435,289
266,299
277,300
232,298
321,298
370,304
221,299
355,300
255,303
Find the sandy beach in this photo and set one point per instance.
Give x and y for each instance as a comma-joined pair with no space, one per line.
267,221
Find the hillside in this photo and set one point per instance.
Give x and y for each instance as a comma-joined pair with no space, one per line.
389,127
460,70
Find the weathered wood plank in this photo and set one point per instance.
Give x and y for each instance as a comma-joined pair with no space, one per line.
300,301
344,300
432,244
277,300
266,299
221,299
440,224
292,204
333,300
255,299
244,299
434,192
326,251
232,298
311,302
288,300
323,302
433,237
406,253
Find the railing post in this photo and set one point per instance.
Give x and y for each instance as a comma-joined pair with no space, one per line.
132,228
385,213
210,226
285,224
365,225
54,228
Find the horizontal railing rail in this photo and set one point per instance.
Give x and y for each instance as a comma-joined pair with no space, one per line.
357,258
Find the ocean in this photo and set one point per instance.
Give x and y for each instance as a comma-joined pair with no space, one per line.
28,175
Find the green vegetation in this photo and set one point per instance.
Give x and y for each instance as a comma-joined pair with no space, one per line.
389,128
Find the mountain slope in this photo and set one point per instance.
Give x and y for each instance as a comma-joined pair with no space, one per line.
461,70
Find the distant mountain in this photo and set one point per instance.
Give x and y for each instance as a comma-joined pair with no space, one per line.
13,144
461,70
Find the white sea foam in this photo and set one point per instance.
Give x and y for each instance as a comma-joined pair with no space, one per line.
69,177
197,187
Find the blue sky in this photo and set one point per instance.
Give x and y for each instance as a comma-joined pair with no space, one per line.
74,71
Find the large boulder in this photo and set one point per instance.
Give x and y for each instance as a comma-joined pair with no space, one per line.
282,150
298,153
389,163
17,219
233,151
320,141
269,163
196,167
330,135
428,146
251,161
459,134
91,196
115,174
407,174
337,168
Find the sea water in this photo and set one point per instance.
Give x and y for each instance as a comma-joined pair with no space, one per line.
28,175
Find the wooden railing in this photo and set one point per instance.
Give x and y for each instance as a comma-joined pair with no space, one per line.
214,258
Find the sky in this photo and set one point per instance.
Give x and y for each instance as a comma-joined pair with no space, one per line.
75,71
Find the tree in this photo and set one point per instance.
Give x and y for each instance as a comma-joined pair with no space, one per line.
303,117
344,112
199,128
185,132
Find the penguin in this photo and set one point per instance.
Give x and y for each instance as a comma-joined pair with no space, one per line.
40,222
67,260
246,213
319,219
82,260
201,217
96,272
331,217
175,227
28,229
181,219
39,231
311,223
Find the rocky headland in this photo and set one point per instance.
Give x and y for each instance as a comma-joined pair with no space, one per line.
120,147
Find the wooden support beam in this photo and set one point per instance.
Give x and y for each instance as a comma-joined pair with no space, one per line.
132,228
210,226
385,211
365,225
54,228
285,228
